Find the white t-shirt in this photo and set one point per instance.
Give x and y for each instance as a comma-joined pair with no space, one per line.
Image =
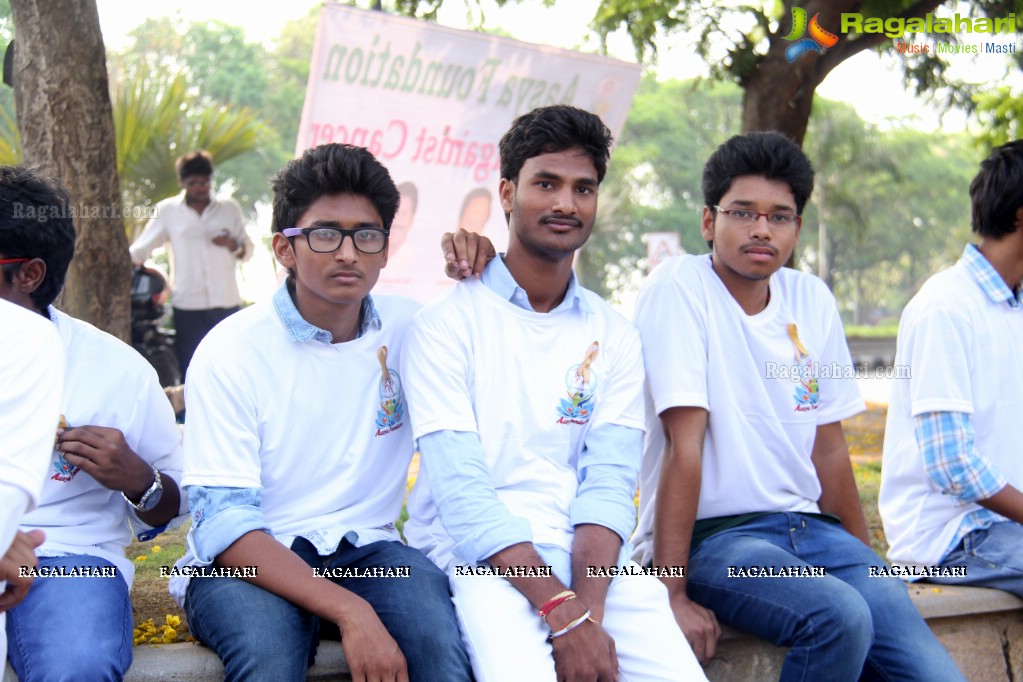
106,383
312,424
203,273
31,374
963,351
484,365
765,393
31,370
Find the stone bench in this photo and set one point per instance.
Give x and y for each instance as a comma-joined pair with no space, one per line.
982,630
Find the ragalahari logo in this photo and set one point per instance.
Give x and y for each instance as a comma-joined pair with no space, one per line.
818,41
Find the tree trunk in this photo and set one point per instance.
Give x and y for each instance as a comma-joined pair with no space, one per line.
67,131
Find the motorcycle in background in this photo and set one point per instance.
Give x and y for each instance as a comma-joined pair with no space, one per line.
149,294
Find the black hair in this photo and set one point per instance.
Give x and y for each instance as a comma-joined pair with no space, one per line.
332,169
767,154
997,191
36,221
554,129
198,162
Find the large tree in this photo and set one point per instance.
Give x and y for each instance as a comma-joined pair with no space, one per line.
67,130
745,42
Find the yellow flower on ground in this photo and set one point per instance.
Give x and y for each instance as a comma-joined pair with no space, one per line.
156,549
140,557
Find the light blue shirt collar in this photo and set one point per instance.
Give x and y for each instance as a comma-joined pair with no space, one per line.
990,282
300,330
498,279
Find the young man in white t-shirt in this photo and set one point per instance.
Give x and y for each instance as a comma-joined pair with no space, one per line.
746,477
117,459
31,372
297,452
952,473
525,392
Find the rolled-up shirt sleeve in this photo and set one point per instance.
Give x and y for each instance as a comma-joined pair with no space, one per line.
475,518
219,517
608,479
945,440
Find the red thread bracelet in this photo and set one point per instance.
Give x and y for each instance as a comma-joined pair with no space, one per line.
554,602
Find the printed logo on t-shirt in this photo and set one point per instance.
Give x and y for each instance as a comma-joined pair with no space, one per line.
807,395
65,469
391,414
581,382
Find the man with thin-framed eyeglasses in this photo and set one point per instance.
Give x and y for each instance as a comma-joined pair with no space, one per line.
298,448
746,474
742,216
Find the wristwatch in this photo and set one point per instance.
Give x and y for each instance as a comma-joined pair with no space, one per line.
151,497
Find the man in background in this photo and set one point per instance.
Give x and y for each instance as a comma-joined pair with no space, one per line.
207,239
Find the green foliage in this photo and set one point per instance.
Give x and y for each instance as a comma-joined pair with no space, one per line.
1000,114
224,89
156,119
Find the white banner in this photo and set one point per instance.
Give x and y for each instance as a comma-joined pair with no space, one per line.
431,103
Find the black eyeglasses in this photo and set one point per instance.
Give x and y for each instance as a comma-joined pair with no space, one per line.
368,240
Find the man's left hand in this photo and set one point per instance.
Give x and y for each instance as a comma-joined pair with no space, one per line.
20,553
103,453
227,241
466,254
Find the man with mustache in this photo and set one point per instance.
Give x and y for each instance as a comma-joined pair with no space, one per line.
525,392
746,474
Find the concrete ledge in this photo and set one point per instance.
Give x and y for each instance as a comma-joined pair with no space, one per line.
190,661
982,630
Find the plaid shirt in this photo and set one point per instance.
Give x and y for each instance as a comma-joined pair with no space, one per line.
945,439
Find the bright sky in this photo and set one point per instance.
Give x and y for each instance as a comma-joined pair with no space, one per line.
864,81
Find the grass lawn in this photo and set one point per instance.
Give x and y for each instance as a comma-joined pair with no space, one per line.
864,434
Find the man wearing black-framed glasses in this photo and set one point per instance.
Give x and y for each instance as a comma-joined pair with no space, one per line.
298,451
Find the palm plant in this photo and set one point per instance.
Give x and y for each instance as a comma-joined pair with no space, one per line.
156,119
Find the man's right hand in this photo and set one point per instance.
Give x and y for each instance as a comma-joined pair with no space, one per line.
20,553
371,652
585,653
466,253
699,625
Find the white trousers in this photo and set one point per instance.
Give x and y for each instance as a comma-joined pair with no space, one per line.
506,640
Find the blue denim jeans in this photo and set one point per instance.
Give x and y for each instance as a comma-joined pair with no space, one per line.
71,628
260,636
845,625
992,558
